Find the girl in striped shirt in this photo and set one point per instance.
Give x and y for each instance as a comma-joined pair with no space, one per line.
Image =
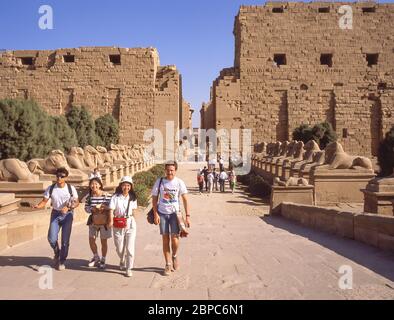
97,200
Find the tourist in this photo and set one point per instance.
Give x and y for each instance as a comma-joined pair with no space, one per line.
205,173
64,199
221,164
211,179
166,194
222,180
124,226
98,203
232,179
95,174
200,181
215,179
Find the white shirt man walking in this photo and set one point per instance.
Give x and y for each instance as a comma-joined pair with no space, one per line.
166,194
64,199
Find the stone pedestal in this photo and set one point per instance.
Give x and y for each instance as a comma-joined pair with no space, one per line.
294,194
339,185
379,196
8,203
28,192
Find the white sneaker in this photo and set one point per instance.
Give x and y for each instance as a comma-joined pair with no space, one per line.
61,267
93,261
122,266
129,273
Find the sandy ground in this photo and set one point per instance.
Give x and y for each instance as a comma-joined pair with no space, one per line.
234,251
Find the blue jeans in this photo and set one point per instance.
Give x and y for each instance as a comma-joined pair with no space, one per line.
64,222
169,224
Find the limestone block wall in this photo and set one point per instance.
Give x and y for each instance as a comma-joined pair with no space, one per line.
226,100
121,81
296,65
168,102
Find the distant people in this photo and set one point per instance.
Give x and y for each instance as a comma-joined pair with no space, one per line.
64,199
95,174
215,179
211,179
205,173
221,164
98,202
200,181
222,180
124,226
232,179
166,195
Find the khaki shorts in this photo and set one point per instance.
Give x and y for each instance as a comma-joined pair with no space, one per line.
104,233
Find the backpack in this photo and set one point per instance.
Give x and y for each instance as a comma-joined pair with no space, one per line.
53,187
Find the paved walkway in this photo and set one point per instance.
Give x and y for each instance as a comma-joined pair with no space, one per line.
233,252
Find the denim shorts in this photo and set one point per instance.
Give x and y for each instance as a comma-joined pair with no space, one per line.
169,224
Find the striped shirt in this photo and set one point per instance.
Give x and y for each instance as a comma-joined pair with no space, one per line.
94,201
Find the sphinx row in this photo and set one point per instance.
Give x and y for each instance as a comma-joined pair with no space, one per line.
334,175
28,179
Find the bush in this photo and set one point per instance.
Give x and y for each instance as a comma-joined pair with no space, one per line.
146,178
65,136
244,179
386,154
158,170
143,194
259,187
144,181
82,122
303,133
107,130
26,131
322,133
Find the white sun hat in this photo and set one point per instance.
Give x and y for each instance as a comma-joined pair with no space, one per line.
126,179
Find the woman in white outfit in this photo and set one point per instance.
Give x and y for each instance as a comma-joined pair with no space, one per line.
121,213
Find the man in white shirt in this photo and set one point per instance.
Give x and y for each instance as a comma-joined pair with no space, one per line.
64,199
222,180
166,206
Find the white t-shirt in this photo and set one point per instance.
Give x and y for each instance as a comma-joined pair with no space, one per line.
210,177
60,196
223,175
119,204
170,192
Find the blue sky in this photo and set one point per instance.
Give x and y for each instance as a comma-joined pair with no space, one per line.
195,35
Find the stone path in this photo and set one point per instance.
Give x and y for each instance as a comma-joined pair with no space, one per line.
233,252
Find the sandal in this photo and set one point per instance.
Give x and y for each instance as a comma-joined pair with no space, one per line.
167,270
175,263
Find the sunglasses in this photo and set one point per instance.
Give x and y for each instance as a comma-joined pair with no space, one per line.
62,176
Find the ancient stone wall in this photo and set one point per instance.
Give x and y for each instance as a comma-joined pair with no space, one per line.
128,83
296,65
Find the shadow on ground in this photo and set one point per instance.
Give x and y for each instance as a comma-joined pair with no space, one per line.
379,261
35,263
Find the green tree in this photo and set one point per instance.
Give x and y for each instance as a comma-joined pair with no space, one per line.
65,136
303,133
107,130
82,122
386,154
26,131
322,133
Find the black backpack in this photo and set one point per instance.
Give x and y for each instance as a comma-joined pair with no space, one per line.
53,187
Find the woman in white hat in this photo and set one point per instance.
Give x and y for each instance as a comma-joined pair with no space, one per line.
121,212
